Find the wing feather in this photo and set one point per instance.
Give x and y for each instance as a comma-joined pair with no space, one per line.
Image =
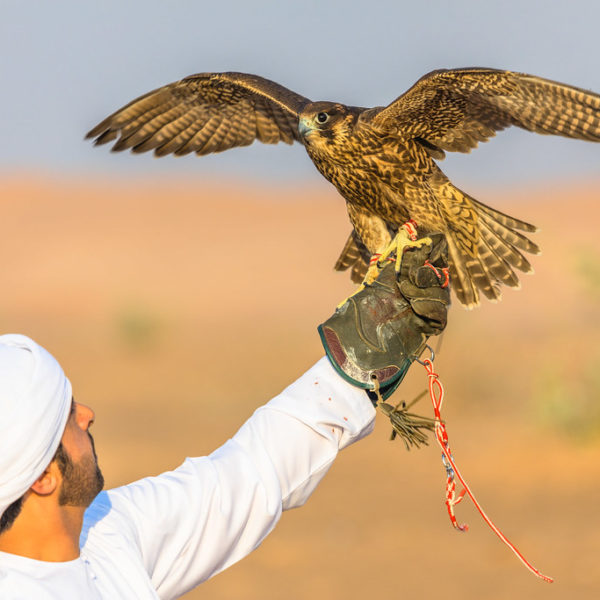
456,109
204,113
186,128
152,134
203,134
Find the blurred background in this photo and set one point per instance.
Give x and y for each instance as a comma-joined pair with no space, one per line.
148,278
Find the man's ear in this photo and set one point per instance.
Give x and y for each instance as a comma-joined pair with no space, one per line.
48,481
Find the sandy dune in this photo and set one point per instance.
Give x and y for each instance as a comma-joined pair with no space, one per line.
148,291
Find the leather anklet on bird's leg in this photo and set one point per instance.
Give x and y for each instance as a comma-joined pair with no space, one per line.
404,239
373,271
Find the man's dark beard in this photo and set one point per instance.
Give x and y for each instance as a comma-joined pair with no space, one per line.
82,481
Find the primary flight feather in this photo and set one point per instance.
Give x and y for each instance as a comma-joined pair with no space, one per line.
382,159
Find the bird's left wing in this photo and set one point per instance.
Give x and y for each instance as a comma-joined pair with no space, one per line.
455,109
354,255
204,113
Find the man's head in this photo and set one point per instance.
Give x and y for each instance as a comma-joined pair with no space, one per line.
45,445
77,462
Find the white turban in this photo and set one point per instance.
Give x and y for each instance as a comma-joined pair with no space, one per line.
35,402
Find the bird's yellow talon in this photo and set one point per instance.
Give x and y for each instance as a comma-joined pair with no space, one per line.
400,243
405,238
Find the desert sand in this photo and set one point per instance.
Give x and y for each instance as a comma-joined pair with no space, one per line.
149,291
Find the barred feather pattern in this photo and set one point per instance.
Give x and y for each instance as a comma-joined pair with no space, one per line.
204,113
381,159
485,248
354,256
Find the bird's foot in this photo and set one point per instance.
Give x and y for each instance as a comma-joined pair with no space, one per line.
370,276
405,238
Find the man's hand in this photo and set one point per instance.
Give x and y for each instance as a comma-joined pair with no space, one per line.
424,281
374,337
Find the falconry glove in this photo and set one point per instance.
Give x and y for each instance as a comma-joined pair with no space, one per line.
424,281
374,337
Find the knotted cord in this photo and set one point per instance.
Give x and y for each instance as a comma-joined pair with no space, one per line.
436,392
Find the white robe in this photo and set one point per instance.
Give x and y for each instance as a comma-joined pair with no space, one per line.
161,536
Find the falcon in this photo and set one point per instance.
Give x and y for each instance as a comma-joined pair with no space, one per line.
382,160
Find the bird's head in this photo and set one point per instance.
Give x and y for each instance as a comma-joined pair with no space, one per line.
323,122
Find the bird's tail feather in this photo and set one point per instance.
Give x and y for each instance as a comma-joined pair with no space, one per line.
506,227
483,257
354,255
503,218
468,275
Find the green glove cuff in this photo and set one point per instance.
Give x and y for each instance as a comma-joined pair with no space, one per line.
386,379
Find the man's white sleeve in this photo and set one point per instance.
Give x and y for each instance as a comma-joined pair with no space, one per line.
193,522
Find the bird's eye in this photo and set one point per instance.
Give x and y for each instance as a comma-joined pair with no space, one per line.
322,117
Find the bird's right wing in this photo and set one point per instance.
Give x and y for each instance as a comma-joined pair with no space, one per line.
455,109
204,113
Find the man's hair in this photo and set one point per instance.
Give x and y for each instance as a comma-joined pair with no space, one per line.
8,517
62,459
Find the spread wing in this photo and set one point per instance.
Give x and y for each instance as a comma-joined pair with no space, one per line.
456,109
204,113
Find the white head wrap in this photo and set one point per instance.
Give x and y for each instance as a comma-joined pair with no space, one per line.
35,402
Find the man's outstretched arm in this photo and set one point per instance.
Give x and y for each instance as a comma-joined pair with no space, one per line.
192,523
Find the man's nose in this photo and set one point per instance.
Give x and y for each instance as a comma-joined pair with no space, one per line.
84,416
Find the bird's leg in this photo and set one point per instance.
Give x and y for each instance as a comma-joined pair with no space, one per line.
405,238
375,266
369,278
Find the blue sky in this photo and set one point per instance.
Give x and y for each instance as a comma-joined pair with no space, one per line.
69,63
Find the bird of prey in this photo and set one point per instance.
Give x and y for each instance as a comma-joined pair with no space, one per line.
382,160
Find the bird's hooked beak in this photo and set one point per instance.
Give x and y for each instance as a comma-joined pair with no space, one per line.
304,127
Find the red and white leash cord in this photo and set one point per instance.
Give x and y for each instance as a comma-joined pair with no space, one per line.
436,392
